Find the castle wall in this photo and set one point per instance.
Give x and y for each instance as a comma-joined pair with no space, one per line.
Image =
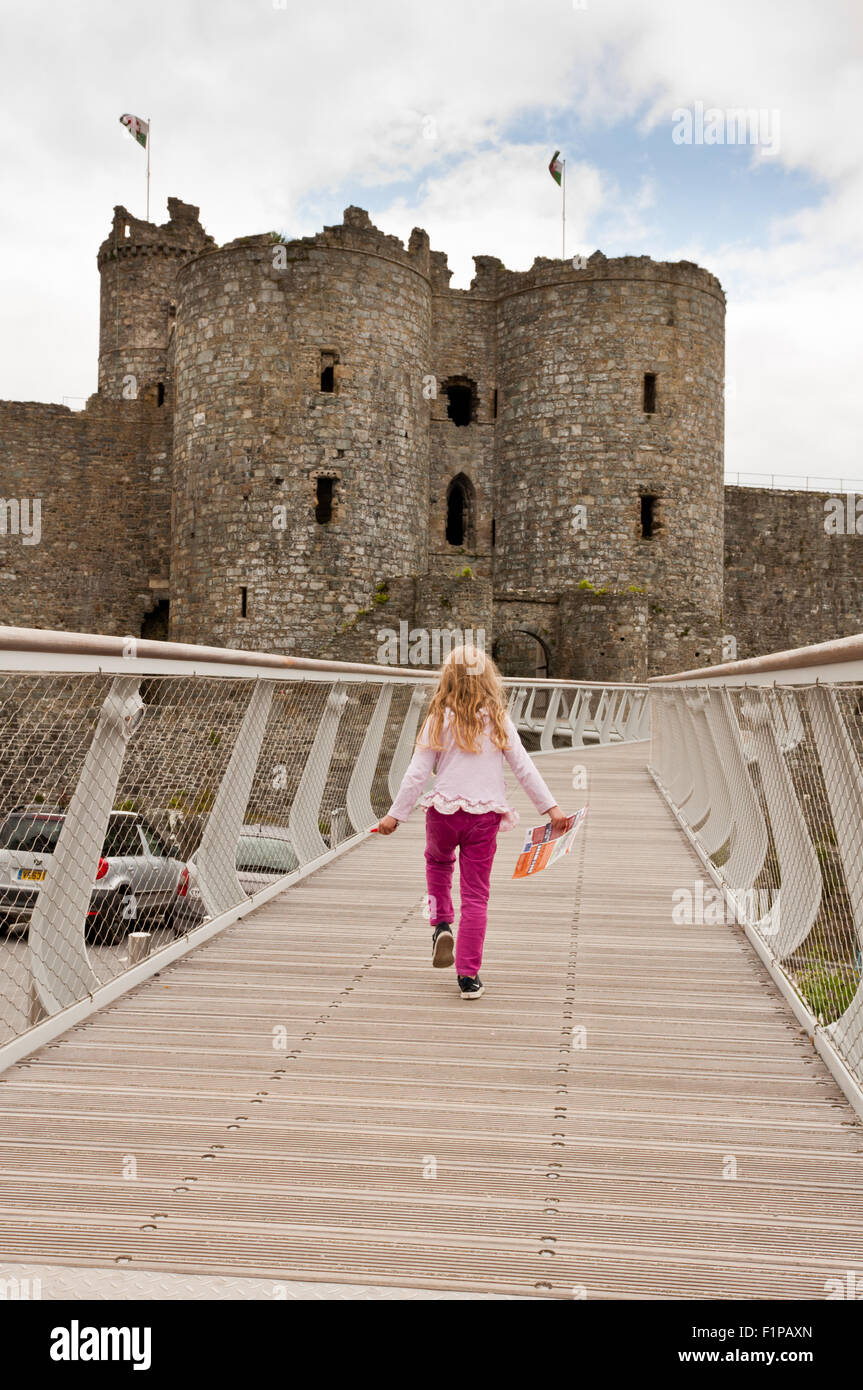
526,635
254,432
788,583
602,636
102,480
235,336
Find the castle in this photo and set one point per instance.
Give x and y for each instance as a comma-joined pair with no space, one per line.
297,444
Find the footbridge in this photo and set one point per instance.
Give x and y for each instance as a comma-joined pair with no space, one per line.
230,1072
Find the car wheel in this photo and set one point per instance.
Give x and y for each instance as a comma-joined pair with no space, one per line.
171,920
116,918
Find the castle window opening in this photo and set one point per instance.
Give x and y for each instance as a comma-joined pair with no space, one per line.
494,404
324,500
460,392
328,371
459,509
155,624
648,516
244,602
649,393
160,393
127,230
493,530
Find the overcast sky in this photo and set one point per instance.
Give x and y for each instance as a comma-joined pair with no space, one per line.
445,116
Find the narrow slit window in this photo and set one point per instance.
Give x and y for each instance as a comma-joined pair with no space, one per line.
649,405
324,500
160,393
244,602
648,516
328,371
455,510
494,404
493,530
460,511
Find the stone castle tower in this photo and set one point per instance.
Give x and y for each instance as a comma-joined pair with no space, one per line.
320,438
346,426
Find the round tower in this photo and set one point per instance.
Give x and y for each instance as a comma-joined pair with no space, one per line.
609,442
138,264
300,434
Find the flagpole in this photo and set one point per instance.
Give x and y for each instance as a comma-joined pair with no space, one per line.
563,183
149,138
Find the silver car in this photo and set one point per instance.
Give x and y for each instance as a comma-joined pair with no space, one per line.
264,854
138,884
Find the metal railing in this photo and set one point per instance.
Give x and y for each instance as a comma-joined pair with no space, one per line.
152,793
791,482
761,761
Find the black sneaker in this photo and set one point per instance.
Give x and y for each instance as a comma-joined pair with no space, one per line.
442,946
471,986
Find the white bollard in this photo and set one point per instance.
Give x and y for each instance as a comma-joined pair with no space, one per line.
139,946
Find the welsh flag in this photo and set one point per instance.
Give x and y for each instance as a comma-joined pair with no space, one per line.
555,168
135,126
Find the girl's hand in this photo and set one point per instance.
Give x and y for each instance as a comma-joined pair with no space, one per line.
387,825
558,819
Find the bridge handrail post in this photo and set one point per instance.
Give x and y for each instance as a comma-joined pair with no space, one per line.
60,967
303,821
407,738
546,739
579,716
843,781
788,922
216,858
358,800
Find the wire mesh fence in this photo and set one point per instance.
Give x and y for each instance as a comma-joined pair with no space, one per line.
769,781
137,806
132,811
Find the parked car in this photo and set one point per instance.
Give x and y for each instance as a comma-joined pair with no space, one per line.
138,883
264,853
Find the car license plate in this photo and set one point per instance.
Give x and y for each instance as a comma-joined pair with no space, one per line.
31,875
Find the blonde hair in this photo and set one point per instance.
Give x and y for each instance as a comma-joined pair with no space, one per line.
469,685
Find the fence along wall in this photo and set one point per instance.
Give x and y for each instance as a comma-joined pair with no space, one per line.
176,775
767,779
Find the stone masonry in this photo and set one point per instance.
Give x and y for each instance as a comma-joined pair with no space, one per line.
300,445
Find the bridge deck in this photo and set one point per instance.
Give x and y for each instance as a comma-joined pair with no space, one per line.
557,1171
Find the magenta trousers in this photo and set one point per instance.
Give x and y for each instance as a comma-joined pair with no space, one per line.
475,838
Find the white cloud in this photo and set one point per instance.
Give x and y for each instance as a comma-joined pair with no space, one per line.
265,116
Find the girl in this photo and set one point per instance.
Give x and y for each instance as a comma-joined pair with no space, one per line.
465,739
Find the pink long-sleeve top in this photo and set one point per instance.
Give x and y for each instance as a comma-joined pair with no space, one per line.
469,781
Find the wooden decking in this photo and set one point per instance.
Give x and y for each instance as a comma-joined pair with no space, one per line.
304,1099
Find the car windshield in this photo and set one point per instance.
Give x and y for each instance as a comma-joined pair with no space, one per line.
260,854
122,838
32,834
155,844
